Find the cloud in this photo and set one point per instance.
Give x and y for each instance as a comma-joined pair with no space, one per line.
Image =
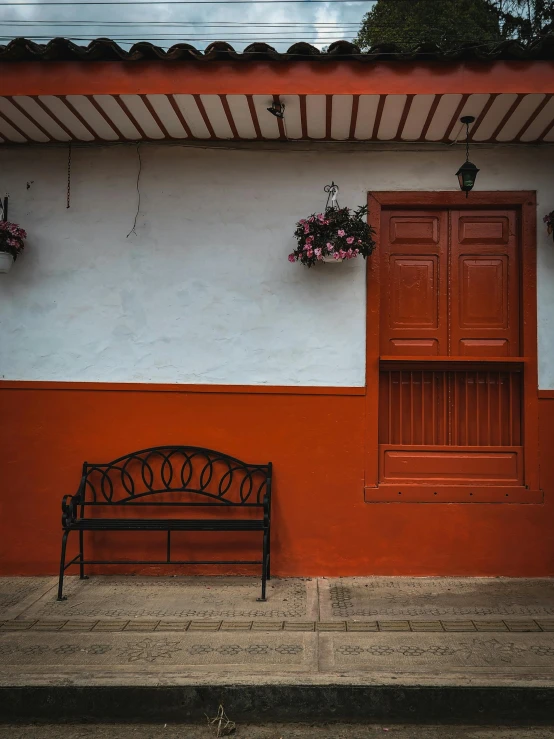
168,24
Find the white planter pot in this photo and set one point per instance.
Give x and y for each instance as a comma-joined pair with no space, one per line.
331,260
6,261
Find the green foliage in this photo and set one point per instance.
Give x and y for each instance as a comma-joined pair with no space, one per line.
448,23
451,23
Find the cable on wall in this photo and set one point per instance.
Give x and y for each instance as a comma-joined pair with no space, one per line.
133,230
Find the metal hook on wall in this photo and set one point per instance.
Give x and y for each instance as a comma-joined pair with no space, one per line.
332,191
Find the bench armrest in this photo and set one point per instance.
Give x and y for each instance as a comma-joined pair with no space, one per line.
69,508
70,504
267,499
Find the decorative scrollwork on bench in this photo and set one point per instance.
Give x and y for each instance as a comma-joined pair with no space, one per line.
217,477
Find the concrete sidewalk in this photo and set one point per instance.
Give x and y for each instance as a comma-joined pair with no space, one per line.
350,648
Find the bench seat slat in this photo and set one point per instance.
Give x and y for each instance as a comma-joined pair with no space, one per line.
166,524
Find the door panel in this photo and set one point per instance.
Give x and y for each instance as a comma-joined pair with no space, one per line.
454,465
413,311
413,292
482,228
484,270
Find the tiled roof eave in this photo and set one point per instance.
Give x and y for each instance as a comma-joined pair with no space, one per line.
107,50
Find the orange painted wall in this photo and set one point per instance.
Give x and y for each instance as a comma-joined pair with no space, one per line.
321,524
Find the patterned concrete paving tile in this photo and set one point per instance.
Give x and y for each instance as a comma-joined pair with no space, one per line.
526,625
299,625
487,625
155,598
382,598
362,626
459,626
438,654
17,625
426,626
546,624
94,652
18,593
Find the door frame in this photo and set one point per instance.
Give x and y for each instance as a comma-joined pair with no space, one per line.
525,202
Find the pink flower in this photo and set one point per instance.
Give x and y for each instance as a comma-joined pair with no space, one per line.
317,252
336,255
356,252
306,228
350,240
311,253
291,258
341,232
321,218
309,238
329,246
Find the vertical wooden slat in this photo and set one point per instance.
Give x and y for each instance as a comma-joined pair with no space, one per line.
400,407
390,434
511,405
466,424
423,435
433,406
500,408
411,408
445,409
488,381
477,418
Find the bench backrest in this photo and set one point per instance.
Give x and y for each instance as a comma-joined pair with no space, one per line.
176,475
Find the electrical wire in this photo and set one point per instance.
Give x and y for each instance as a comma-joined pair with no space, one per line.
177,24
200,37
175,2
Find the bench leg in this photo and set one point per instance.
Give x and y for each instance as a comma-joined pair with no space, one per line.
82,556
62,567
265,561
269,554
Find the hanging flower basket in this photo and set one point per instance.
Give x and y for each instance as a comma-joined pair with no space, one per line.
336,235
549,220
12,243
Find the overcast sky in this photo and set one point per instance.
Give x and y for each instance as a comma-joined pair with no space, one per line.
85,21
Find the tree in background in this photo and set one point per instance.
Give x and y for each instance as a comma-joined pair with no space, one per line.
447,23
526,19
450,23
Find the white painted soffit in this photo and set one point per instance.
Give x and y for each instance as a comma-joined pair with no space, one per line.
503,118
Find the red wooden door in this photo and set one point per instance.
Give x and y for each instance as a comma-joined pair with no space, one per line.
450,391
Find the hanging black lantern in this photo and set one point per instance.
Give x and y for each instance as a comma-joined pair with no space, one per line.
467,174
4,209
277,109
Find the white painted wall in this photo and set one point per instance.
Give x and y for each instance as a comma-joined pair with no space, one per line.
203,291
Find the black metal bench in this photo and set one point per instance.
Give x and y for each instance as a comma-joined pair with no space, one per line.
224,493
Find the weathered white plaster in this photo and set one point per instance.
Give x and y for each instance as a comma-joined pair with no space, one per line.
203,292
